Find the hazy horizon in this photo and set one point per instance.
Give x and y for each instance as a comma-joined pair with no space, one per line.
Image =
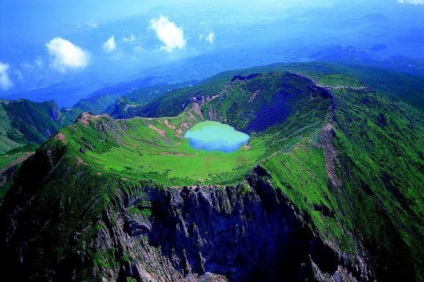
66,51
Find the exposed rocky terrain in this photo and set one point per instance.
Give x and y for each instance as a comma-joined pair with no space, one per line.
332,191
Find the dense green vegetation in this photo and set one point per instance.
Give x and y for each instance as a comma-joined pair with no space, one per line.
381,146
376,143
133,104
399,86
96,105
175,101
24,122
147,149
268,100
11,156
381,161
10,163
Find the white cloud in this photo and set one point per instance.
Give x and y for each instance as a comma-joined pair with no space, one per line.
413,2
5,82
65,55
110,44
92,24
131,38
211,37
168,32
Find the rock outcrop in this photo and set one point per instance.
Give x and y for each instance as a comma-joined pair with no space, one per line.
249,232
215,234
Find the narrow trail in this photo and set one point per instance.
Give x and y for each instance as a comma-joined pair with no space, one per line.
328,132
360,88
21,159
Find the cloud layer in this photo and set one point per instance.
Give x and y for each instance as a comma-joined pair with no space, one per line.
208,38
65,55
413,2
130,38
168,32
5,82
211,37
110,44
92,24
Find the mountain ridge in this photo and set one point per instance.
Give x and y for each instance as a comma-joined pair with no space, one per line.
314,168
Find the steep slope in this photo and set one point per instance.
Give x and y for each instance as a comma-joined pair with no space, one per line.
132,104
106,100
374,173
24,122
399,86
329,188
9,165
23,126
96,105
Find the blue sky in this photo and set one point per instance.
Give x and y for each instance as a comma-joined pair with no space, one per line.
84,45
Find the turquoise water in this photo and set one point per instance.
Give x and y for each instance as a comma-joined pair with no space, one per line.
216,136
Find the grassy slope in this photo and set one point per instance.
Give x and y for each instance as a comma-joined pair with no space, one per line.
401,87
5,142
173,102
142,153
381,162
97,160
380,145
13,158
398,86
132,104
95,105
144,149
24,122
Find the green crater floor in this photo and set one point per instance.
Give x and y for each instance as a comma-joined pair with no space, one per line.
155,149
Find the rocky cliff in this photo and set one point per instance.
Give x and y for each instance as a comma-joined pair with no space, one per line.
335,194
249,232
246,233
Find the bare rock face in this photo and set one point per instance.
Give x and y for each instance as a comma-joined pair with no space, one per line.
250,232
216,234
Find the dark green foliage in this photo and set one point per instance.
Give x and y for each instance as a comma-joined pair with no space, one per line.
380,148
378,144
69,198
30,147
95,105
267,100
395,85
25,122
133,104
10,163
399,86
382,166
175,101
